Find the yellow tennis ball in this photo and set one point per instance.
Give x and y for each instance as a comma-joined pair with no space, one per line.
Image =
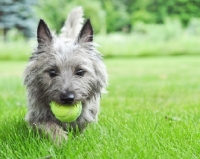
66,113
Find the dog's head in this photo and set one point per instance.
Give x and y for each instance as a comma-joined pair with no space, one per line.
65,72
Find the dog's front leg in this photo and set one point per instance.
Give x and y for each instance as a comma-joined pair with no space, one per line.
51,130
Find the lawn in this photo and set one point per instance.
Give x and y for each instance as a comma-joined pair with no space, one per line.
151,111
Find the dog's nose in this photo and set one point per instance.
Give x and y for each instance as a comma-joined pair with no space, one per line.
67,98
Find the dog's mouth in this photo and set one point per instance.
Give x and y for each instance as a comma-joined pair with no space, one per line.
65,104
67,98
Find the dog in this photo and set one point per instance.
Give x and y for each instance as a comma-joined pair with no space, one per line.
65,68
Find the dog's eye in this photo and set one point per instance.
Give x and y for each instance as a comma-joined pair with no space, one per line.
80,72
52,73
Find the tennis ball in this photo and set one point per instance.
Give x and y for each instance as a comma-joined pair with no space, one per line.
66,113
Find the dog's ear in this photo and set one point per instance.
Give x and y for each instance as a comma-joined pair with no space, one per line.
86,33
43,33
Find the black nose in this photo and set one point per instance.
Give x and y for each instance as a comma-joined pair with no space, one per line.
67,98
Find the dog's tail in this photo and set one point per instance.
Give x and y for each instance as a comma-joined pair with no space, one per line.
73,23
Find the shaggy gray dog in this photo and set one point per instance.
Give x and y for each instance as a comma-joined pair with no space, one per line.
66,69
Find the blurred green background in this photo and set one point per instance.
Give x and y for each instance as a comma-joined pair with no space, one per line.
123,28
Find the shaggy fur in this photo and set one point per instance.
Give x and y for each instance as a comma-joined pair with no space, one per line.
66,69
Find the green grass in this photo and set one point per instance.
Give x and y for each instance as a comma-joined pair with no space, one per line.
151,111
119,45
16,50
157,44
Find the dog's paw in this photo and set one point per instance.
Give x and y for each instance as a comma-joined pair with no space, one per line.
59,136
52,131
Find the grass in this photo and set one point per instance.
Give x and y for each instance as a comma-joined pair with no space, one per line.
151,111
16,51
140,45
120,45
